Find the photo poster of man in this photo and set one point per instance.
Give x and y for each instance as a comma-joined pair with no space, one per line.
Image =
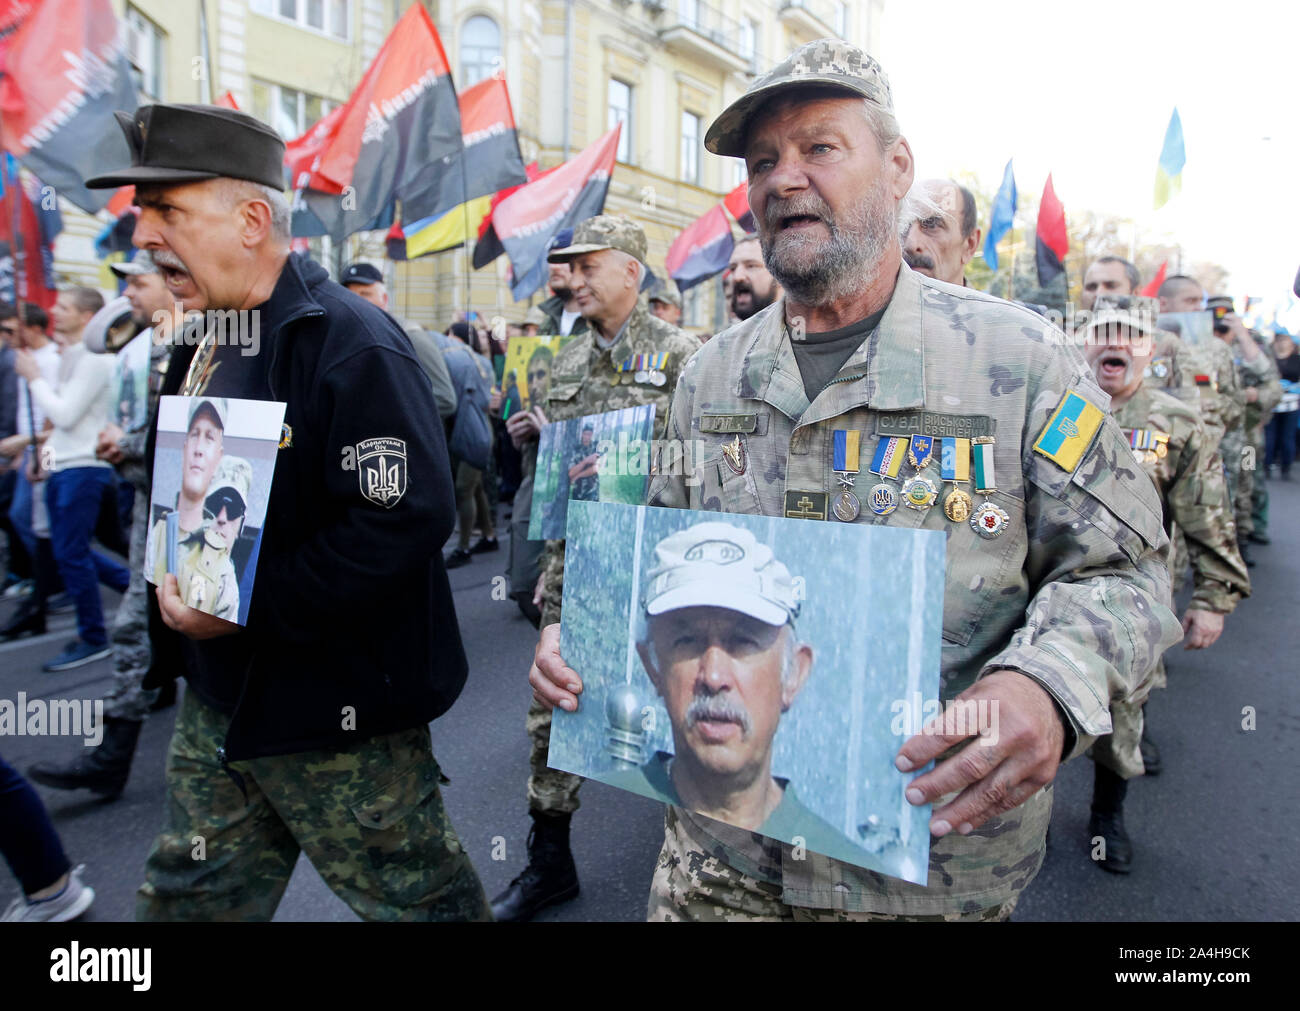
595,458
1194,328
755,664
526,376
131,383
213,465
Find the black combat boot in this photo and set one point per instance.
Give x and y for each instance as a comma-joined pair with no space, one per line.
1150,753
102,769
550,876
1107,821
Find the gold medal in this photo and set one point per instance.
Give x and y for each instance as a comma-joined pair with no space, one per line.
958,505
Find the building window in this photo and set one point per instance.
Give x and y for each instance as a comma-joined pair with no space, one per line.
691,148
739,173
292,113
480,50
748,38
841,11
144,47
620,111
327,16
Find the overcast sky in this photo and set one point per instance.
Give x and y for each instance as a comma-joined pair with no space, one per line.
1086,91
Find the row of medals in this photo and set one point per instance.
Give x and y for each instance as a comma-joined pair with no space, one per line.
626,375
920,493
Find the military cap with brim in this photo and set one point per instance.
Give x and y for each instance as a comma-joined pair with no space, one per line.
173,144
831,62
667,294
604,231
361,273
720,565
142,264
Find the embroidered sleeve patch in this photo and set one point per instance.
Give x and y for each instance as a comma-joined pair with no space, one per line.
381,468
1069,431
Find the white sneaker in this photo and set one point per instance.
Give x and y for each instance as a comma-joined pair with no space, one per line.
69,903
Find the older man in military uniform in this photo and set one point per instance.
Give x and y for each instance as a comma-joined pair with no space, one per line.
551,317
1056,599
627,358
188,545
1172,445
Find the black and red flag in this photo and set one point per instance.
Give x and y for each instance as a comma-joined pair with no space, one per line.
737,204
63,73
526,220
1053,239
702,250
398,137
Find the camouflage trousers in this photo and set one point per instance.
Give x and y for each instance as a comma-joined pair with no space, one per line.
692,885
550,791
1120,751
1259,500
129,635
369,817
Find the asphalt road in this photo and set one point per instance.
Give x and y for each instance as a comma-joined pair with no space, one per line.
1214,834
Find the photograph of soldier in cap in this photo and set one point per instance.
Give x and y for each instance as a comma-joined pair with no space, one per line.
213,466
528,360
594,458
736,688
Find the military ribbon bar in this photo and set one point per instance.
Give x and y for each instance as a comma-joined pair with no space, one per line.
984,478
845,450
888,460
954,460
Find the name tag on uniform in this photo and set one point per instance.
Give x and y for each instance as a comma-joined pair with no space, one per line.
728,424
935,425
1069,431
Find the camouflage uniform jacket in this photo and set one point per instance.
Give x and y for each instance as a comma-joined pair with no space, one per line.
1261,375
1202,376
1190,480
585,379
1074,593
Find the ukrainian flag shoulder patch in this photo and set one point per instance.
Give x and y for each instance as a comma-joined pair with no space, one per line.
1069,431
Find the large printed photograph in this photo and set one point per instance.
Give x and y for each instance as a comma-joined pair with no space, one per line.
213,466
595,458
752,669
526,374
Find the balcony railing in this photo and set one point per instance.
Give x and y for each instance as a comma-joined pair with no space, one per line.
704,32
816,17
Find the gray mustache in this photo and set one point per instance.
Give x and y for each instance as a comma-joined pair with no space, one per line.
716,708
808,203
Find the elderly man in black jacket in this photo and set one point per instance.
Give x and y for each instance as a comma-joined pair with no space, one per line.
308,728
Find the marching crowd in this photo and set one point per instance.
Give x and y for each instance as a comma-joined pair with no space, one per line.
852,258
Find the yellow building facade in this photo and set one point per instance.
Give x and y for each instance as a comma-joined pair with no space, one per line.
664,68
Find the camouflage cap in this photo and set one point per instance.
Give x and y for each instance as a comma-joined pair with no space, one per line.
604,231
720,565
230,486
667,293
1137,312
534,316
215,405
826,62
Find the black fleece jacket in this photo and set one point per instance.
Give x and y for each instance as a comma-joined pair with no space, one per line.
352,629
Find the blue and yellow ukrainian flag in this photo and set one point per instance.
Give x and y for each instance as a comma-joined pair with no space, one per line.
1169,171
1069,431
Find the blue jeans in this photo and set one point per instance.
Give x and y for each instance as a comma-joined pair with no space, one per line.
28,841
20,510
1280,439
73,498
